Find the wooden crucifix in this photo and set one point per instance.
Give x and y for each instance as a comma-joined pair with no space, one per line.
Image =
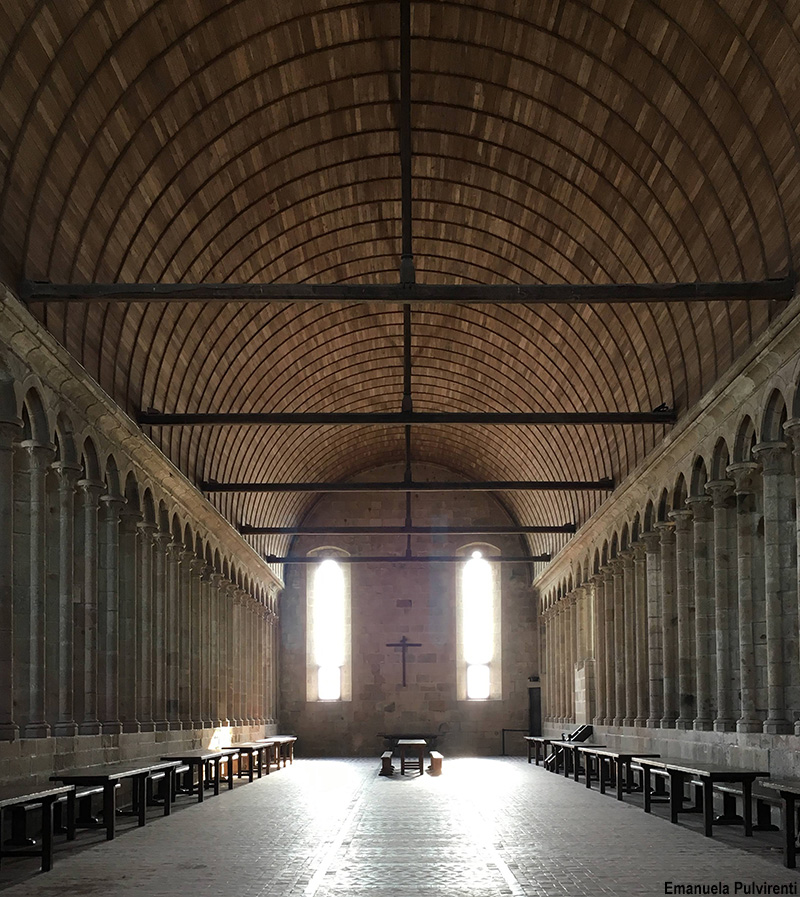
404,644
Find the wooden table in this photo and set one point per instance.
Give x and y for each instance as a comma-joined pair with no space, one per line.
45,796
789,790
284,747
111,774
706,774
537,746
621,761
413,745
255,751
201,761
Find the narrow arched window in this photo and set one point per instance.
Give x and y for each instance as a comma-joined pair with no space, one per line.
328,632
479,630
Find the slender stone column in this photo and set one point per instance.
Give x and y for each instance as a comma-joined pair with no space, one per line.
792,429
232,600
217,655
700,506
204,644
744,475
195,628
160,639
174,633
129,614
108,616
251,665
546,649
721,492
684,589
780,575
63,650
611,703
560,661
9,433
238,656
261,665
669,624
39,459
655,654
569,659
86,618
274,643
617,572
629,636
186,686
639,637
147,632
598,579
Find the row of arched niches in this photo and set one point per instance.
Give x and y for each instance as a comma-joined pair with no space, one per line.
127,613
683,613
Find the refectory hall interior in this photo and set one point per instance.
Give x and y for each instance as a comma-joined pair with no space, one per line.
425,369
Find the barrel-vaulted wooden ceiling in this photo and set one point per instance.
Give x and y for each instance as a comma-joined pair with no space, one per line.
563,141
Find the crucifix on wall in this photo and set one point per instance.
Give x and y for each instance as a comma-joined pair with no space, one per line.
404,644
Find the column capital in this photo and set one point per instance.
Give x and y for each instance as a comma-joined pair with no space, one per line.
700,507
666,531
40,454
639,549
743,474
113,504
67,470
147,529
652,541
682,518
774,457
720,491
792,429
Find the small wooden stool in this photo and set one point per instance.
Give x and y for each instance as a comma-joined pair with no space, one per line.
386,764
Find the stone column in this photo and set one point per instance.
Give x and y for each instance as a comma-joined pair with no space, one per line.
147,628
108,615
86,617
250,673
185,671
598,580
724,588
161,635
129,616
744,475
610,692
669,624
544,648
617,572
9,433
238,660
655,654
569,673
63,650
684,589
195,660
274,643
174,633
232,616
792,429
217,659
705,642
39,459
629,635
560,662
204,644
640,673
780,576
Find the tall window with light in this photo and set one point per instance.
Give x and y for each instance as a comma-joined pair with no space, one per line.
328,627
479,630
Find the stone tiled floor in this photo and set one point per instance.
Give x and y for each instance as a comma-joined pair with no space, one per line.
330,828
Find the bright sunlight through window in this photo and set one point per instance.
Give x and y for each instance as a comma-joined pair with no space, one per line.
477,591
328,627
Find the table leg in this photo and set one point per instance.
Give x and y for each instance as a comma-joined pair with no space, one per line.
675,794
708,807
169,789
230,772
201,780
587,766
215,761
620,777
109,808
747,809
646,787
790,830
601,768
71,816
47,834
140,787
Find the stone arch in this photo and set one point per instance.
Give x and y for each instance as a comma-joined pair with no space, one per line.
775,416
132,493
636,528
604,554
744,441
199,551
148,507
35,425
663,506
175,528
90,461
649,516
679,493
188,538
65,440
720,460
9,401
624,539
113,486
570,586
596,565
226,570
579,574
216,562
699,477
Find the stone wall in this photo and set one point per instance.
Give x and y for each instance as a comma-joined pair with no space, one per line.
390,600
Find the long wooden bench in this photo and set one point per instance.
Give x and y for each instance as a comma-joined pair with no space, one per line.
789,791
43,796
705,776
